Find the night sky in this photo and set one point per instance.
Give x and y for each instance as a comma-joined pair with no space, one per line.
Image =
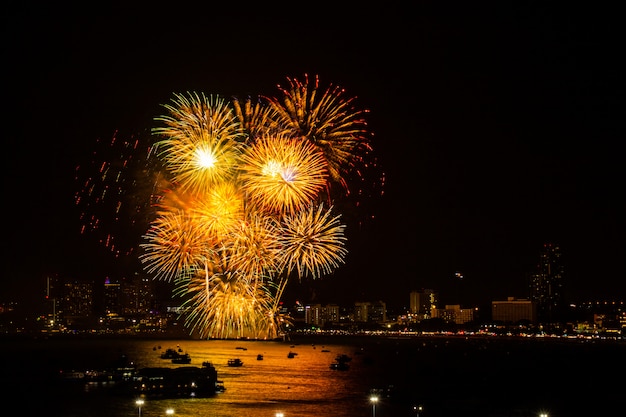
499,128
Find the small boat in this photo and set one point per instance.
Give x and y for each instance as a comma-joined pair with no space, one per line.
325,350
339,366
241,348
235,362
291,355
343,358
170,353
182,358
259,357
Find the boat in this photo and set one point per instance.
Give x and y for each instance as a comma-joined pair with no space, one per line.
181,382
235,362
339,366
343,358
182,358
170,353
291,355
259,357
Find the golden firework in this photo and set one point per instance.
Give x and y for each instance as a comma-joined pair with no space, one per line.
241,211
312,242
327,120
199,142
282,174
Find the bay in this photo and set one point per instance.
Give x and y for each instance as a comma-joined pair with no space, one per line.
445,376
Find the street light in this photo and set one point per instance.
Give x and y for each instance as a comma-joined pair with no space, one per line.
169,411
279,414
417,409
139,403
374,400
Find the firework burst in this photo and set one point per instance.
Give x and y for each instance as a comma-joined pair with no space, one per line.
174,246
200,141
327,120
222,306
241,211
312,242
282,174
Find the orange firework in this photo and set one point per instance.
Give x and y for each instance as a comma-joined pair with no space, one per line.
328,121
282,174
312,242
200,141
243,212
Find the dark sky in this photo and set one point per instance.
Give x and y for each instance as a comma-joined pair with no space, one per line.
499,128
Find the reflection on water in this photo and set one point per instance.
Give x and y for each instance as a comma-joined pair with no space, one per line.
299,386
302,385
446,377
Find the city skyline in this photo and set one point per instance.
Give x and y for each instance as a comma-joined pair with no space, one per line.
496,128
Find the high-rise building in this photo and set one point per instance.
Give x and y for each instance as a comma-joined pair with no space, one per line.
546,283
319,315
422,302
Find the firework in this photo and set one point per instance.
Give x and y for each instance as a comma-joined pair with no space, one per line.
255,248
223,306
241,211
312,242
200,141
327,120
174,246
256,119
115,191
282,174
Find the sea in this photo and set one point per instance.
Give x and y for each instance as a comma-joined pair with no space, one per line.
419,376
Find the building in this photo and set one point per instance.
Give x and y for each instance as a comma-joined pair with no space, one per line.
318,315
370,312
453,314
546,284
514,310
76,305
421,303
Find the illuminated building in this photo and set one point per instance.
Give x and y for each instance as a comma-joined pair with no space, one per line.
513,310
318,315
546,284
453,314
422,302
370,311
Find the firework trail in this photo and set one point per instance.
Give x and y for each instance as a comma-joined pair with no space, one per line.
115,191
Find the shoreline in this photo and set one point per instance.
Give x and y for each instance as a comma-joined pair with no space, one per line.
326,338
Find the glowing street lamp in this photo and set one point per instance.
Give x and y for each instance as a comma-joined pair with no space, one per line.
169,411
374,400
139,403
279,414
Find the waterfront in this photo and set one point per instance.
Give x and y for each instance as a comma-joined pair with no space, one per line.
447,376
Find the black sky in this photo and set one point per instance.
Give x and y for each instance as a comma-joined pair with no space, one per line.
499,127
